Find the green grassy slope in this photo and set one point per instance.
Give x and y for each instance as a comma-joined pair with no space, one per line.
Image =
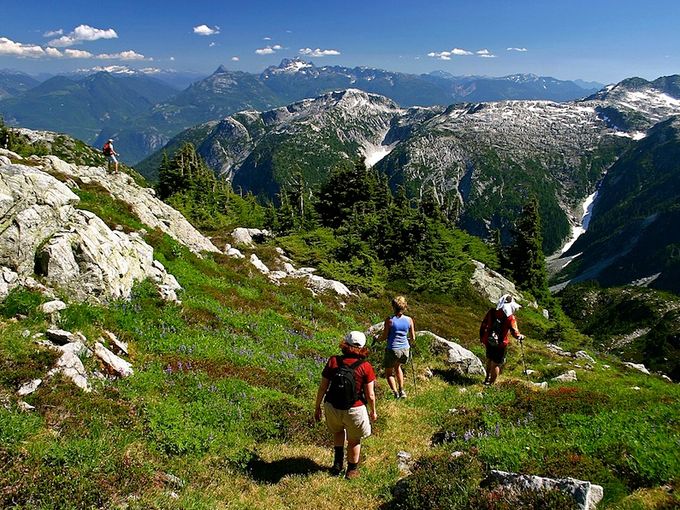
222,398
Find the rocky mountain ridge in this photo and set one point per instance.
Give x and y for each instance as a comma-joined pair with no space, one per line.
94,114
477,156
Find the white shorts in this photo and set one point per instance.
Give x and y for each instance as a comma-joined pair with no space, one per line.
354,420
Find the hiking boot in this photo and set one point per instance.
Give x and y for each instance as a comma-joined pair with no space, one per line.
402,394
351,474
336,469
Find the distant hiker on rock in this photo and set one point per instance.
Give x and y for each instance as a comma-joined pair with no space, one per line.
110,154
347,385
493,333
397,331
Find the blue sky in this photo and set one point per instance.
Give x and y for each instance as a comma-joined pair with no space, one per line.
600,40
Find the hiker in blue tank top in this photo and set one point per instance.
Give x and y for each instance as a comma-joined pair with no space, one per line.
397,331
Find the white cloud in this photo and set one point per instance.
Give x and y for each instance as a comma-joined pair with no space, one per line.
9,47
318,52
69,53
517,49
485,54
211,45
172,59
264,51
54,33
52,52
84,33
206,30
123,55
267,38
447,54
235,59
277,47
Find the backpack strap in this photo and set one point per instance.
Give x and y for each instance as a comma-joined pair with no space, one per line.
357,364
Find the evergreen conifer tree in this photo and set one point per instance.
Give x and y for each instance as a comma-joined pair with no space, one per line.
525,256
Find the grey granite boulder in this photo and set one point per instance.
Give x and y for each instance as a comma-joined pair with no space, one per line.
458,356
586,495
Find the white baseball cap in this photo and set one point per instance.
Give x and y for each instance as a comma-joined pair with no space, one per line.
355,338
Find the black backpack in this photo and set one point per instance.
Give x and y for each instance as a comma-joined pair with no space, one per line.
495,337
342,391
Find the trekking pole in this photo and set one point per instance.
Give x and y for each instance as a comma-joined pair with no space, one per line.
413,369
521,346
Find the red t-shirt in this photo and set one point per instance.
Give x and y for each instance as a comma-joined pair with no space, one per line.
363,374
509,326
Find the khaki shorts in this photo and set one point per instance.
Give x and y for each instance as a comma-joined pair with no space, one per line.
354,420
392,356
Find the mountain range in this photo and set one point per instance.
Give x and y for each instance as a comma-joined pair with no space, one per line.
483,159
142,125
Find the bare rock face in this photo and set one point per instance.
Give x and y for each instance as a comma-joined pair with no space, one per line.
71,249
143,202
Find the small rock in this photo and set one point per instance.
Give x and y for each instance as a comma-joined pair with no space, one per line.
636,388
530,372
584,355
546,313
118,345
457,454
25,333
173,480
259,265
666,378
541,385
569,376
462,390
405,462
52,306
605,366
112,362
428,373
59,336
24,406
29,387
637,366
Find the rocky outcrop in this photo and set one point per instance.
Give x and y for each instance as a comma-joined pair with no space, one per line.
114,364
71,249
569,376
586,495
142,201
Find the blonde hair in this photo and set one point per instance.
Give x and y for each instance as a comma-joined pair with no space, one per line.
399,304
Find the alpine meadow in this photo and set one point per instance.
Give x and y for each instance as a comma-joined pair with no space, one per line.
368,256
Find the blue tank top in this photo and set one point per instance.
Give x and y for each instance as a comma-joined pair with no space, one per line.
397,336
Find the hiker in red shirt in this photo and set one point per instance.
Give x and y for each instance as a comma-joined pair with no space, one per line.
494,334
347,385
110,154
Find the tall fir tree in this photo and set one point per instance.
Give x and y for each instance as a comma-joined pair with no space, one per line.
525,255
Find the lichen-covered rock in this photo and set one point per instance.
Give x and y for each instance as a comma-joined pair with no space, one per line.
52,306
29,387
637,366
259,265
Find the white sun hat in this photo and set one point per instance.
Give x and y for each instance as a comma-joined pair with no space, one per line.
355,338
